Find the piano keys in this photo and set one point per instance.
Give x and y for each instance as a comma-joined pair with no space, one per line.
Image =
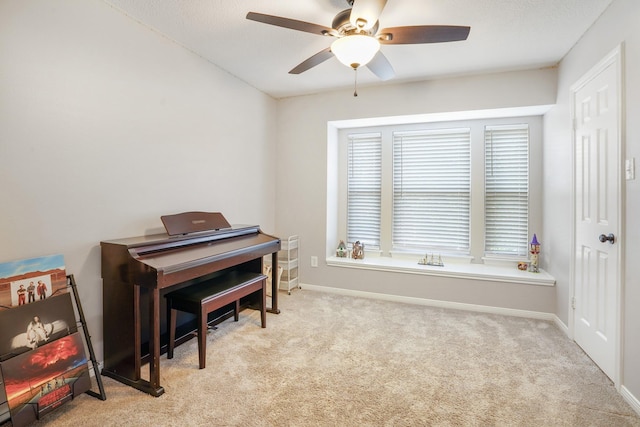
138,271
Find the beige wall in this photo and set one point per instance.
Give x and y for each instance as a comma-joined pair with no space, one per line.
106,125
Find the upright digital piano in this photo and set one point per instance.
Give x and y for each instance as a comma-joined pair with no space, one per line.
138,271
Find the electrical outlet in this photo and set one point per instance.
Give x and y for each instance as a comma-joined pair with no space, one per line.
314,261
630,169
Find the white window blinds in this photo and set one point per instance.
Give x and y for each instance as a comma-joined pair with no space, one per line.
431,190
364,181
506,190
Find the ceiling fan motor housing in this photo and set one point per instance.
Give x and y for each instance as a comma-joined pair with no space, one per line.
343,25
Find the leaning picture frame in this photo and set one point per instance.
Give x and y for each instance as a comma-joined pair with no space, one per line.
5,415
39,381
29,280
29,326
43,359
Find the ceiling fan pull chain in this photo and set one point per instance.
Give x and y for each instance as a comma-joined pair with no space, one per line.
355,82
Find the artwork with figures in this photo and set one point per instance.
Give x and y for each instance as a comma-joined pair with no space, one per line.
30,280
31,325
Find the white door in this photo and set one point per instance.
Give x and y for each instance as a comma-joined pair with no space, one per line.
597,148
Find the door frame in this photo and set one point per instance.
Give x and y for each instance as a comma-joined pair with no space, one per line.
615,57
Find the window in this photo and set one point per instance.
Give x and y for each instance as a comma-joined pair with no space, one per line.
364,180
431,189
506,190
459,188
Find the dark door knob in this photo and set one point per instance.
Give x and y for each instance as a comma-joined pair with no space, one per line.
610,238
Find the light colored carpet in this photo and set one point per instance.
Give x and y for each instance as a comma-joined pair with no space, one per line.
332,360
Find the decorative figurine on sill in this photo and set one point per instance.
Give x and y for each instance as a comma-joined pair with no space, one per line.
430,260
358,250
534,250
341,252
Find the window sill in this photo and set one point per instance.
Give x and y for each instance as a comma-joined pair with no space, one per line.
493,273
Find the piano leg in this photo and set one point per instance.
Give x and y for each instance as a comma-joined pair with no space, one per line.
274,284
154,343
132,377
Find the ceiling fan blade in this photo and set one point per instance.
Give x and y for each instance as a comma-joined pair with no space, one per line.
365,13
293,24
381,67
423,34
311,62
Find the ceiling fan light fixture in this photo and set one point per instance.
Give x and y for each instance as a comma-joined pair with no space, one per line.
355,50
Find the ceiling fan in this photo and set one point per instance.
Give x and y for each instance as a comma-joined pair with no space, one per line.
357,39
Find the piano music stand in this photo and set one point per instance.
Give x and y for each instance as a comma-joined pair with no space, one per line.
194,222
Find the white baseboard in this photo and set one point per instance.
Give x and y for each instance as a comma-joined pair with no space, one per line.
560,324
92,372
441,304
630,398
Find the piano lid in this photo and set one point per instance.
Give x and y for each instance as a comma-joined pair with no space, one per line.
194,222
193,256
155,242
183,257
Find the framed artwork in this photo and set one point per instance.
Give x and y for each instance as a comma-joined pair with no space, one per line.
5,415
43,363
30,280
38,381
32,325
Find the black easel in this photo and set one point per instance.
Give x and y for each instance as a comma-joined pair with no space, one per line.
71,282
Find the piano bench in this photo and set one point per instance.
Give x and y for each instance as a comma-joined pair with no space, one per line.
203,298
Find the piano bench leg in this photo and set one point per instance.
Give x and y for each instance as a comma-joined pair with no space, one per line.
236,310
171,321
202,337
263,305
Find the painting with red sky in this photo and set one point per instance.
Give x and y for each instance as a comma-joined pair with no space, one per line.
4,406
39,381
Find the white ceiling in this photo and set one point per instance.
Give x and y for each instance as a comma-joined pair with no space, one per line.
505,35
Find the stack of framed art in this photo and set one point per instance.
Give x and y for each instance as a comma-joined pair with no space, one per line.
43,362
